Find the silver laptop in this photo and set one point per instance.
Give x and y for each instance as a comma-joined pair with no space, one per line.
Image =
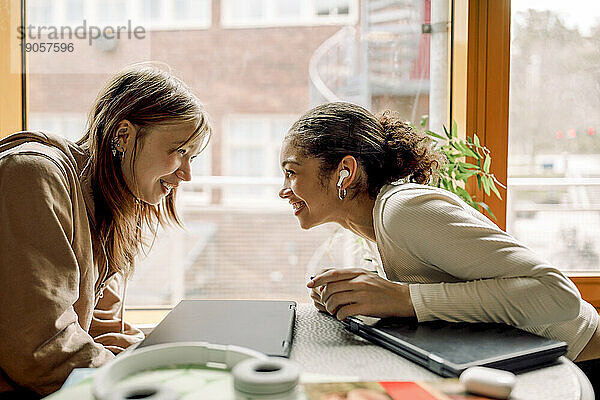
263,325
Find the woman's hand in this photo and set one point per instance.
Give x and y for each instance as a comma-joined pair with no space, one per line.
315,295
355,291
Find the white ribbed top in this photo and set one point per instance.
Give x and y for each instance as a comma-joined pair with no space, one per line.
462,267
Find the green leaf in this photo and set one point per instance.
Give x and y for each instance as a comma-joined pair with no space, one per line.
469,165
479,182
458,146
468,173
463,193
454,129
495,190
435,135
487,209
424,119
448,185
476,139
486,164
466,151
447,133
486,184
470,152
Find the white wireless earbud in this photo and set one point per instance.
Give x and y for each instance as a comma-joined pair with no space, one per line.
343,175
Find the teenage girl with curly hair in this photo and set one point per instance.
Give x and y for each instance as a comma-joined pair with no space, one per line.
440,259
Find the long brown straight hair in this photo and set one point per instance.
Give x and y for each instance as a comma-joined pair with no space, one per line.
146,96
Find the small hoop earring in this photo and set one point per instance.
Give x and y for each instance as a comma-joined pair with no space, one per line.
115,148
341,193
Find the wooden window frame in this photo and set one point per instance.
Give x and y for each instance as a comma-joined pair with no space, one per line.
480,98
13,102
480,84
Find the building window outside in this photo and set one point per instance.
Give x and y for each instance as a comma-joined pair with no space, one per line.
174,14
554,132
328,7
152,14
69,125
251,148
245,13
42,13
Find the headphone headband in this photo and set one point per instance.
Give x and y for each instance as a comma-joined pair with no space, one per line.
284,374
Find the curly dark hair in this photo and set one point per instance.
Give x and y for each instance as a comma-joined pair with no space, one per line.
387,148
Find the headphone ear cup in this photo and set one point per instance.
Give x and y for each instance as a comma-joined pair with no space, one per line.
265,377
154,391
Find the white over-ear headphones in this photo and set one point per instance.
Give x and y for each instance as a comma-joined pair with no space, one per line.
343,175
253,373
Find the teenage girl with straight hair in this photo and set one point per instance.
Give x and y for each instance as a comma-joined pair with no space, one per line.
72,221
440,259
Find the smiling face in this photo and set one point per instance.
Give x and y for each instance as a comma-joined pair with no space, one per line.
314,202
161,162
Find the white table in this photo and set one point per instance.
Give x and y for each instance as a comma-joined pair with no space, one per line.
322,345
323,348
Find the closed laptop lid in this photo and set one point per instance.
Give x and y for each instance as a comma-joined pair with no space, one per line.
448,348
262,325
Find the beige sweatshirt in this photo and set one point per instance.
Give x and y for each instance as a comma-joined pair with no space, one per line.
59,307
461,267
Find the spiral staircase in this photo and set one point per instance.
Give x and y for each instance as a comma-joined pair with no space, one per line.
386,54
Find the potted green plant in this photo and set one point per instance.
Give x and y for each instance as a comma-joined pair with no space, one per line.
454,175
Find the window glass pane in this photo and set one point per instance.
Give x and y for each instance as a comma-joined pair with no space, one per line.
40,13
278,129
554,147
247,162
244,9
192,10
75,9
201,164
151,11
288,8
108,12
242,240
248,130
70,125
